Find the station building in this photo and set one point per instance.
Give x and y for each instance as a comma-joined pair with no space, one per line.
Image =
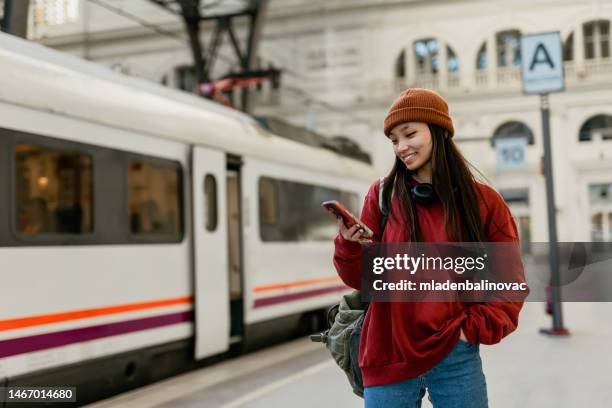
344,62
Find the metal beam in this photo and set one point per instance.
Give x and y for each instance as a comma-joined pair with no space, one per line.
214,47
227,25
168,5
191,16
258,10
195,11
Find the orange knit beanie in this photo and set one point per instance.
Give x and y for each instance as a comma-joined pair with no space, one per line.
419,105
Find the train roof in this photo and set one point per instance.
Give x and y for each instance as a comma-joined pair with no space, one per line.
45,79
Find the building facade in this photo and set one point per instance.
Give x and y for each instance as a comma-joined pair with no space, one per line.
344,62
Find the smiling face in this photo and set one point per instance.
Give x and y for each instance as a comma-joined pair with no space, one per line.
412,144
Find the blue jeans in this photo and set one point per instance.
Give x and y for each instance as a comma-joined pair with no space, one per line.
456,382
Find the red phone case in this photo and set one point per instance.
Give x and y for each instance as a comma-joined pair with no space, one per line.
338,210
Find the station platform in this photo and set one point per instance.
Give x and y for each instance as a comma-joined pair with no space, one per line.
527,369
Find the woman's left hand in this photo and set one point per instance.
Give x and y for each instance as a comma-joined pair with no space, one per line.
462,337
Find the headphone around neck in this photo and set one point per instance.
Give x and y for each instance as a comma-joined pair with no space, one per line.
424,193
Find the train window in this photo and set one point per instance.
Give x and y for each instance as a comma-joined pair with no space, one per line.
53,191
268,199
292,211
210,202
154,198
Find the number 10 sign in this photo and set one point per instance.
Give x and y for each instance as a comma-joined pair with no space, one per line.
510,153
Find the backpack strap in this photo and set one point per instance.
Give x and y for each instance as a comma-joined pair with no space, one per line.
384,211
384,215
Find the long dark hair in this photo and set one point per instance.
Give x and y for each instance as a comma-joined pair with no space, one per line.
454,184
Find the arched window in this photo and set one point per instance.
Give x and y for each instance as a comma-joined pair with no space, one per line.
452,61
599,125
513,129
427,59
596,39
508,48
481,57
400,65
568,48
426,55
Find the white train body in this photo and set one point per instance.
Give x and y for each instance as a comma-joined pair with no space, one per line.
74,298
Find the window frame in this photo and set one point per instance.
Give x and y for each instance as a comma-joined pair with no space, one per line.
154,238
207,201
274,185
482,58
429,58
54,144
6,238
530,138
513,35
38,8
278,224
589,139
110,198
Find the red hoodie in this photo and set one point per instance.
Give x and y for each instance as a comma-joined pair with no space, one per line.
402,340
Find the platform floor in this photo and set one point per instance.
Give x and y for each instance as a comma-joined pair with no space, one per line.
527,369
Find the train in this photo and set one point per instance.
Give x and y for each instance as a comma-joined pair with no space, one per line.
145,230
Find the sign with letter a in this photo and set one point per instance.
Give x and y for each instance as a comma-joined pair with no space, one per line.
542,63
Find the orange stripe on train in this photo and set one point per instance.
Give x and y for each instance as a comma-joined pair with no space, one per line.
22,322
296,283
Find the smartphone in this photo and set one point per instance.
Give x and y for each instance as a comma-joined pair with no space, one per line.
338,210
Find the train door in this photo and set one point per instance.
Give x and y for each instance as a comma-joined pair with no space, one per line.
234,248
210,252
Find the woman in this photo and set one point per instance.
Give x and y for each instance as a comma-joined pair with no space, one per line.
408,347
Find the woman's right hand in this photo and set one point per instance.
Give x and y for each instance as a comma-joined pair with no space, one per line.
355,233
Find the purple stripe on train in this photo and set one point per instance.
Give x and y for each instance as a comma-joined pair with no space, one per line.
45,341
38,342
295,296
